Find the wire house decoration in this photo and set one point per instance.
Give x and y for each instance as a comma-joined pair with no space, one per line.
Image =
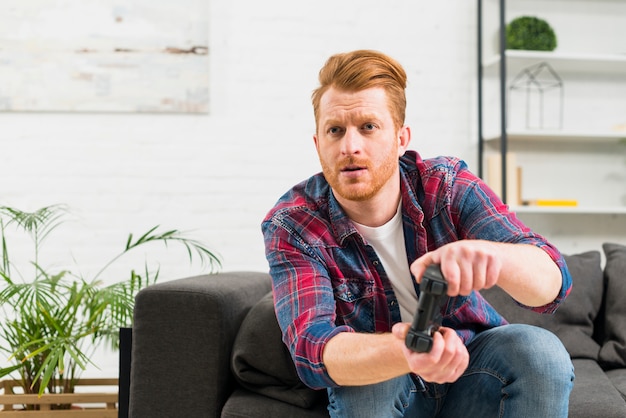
104,56
542,90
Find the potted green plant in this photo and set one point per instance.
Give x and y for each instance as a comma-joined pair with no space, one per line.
52,319
530,33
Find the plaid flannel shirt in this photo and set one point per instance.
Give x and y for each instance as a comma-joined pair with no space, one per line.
327,279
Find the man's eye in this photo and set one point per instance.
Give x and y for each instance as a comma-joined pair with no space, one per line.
369,126
334,130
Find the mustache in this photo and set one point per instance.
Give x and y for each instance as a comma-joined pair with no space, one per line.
352,161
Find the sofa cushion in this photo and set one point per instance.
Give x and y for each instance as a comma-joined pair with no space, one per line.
594,393
243,403
261,362
618,378
573,322
613,352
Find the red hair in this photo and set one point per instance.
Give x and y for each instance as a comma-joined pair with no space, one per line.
360,70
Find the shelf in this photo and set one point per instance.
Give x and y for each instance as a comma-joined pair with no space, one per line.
561,62
594,81
578,210
562,136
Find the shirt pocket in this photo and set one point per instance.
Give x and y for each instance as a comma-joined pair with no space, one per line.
350,290
354,299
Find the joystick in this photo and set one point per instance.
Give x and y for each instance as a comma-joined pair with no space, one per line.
433,288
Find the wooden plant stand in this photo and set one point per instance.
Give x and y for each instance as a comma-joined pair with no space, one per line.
9,400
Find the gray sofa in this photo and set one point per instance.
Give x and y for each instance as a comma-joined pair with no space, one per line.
209,346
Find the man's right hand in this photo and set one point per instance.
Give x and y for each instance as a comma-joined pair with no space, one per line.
446,361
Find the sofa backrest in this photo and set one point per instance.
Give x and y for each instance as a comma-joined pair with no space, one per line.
590,322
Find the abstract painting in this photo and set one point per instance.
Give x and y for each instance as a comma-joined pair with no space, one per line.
104,56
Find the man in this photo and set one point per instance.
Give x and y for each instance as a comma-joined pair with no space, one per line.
347,249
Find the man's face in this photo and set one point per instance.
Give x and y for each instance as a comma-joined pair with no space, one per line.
357,143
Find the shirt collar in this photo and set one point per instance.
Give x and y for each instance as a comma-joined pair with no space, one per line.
343,226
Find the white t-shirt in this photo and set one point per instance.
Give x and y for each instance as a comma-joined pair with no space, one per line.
388,242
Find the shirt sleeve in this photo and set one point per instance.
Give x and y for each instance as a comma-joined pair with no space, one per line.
483,215
303,300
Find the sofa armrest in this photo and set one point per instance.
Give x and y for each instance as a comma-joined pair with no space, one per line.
183,334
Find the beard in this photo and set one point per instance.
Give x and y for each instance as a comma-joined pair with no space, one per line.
378,174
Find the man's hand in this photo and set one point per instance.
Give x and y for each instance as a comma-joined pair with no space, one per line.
525,272
446,361
467,265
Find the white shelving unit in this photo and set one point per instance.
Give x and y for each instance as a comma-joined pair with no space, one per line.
594,80
562,136
599,64
568,210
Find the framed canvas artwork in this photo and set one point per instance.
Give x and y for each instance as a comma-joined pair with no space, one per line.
104,56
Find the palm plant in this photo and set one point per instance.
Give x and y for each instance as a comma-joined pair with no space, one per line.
51,319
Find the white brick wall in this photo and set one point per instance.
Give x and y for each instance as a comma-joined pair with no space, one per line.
218,174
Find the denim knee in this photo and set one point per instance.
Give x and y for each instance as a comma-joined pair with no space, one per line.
536,348
391,398
521,370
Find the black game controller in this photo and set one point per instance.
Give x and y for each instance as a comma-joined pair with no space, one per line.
433,287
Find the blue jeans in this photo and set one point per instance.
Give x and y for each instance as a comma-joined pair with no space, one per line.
514,371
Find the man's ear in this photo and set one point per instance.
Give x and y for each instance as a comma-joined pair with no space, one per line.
315,141
404,139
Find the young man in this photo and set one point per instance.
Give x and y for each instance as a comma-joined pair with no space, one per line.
347,249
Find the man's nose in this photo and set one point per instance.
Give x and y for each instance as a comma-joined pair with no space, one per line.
351,142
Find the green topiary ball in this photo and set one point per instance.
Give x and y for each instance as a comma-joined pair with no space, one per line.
531,33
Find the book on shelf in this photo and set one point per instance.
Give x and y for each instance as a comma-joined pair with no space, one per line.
551,202
513,177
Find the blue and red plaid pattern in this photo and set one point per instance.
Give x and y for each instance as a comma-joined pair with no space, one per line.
327,279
